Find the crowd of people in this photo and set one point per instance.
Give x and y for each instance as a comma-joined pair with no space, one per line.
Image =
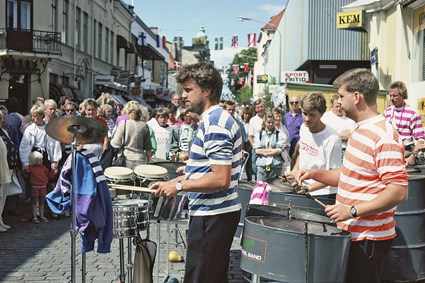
218,139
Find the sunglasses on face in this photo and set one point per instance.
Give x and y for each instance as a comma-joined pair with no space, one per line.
70,110
294,102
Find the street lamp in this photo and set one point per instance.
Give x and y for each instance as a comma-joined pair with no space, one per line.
242,19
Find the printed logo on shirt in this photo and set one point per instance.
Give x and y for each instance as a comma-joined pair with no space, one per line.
309,149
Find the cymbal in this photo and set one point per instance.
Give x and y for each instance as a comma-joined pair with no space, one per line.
87,130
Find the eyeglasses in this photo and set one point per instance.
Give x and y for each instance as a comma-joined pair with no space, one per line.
70,110
294,102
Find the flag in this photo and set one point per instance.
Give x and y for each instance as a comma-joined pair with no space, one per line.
158,40
252,39
246,68
235,41
178,43
225,70
164,42
177,65
142,38
219,43
235,69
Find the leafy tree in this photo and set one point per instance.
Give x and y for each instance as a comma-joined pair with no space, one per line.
245,94
246,56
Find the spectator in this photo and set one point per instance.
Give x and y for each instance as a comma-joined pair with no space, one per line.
174,119
293,122
177,101
62,102
269,144
39,177
246,116
133,136
255,126
162,133
109,118
182,136
406,121
341,124
50,108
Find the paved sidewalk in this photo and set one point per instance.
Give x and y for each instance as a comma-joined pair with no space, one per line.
42,253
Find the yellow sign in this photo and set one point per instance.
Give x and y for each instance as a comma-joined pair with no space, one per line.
349,20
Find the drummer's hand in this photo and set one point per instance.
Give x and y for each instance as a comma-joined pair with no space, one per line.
180,169
164,189
410,160
338,212
303,175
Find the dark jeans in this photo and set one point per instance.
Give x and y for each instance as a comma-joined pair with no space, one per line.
209,241
366,260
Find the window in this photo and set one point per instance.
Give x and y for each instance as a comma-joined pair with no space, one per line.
78,29
99,40
18,14
85,41
54,5
106,44
65,21
111,47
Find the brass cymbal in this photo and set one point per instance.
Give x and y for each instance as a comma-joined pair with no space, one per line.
87,130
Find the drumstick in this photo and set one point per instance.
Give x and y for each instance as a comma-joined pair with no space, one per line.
132,188
316,200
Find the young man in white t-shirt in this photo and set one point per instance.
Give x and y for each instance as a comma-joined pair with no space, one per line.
320,145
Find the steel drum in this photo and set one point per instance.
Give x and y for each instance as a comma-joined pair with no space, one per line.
294,251
406,259
286,212
169,208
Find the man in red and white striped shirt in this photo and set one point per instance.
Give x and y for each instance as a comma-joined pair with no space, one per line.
405,120
372,180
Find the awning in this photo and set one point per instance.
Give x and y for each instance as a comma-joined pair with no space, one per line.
369,5
124,43
149,52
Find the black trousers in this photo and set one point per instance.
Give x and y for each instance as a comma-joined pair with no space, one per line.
209,241
366,260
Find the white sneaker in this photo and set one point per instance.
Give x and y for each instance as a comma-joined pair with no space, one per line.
2,229
5,226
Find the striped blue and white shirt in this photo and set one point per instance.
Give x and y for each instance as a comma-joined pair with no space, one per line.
219,142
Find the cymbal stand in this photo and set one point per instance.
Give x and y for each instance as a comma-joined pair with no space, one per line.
74,129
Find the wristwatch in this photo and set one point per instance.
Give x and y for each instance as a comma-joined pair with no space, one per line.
353,211
179,186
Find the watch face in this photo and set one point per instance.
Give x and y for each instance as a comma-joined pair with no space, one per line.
353,211
179,186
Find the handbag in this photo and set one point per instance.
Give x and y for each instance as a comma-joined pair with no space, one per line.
15,187
119,159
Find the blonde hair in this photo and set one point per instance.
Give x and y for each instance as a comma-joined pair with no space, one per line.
132,109
34,156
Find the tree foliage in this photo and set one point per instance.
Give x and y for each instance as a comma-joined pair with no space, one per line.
242,92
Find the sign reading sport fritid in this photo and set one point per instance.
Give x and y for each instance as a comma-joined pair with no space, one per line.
295,76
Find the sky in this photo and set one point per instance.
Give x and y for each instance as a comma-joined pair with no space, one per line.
219,17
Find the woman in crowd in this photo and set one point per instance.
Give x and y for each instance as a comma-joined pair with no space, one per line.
269,144
133,136
246,116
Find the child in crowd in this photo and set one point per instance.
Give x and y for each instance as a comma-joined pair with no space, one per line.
38,176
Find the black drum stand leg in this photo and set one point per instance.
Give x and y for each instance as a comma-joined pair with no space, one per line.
122,265
129,261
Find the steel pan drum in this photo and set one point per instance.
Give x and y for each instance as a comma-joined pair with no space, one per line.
169,208
294,251
124,220
406,259
285,212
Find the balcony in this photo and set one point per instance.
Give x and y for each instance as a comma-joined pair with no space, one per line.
30,41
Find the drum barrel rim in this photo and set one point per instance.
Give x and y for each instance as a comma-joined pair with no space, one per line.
341,233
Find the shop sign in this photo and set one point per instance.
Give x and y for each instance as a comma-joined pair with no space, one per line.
349,20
